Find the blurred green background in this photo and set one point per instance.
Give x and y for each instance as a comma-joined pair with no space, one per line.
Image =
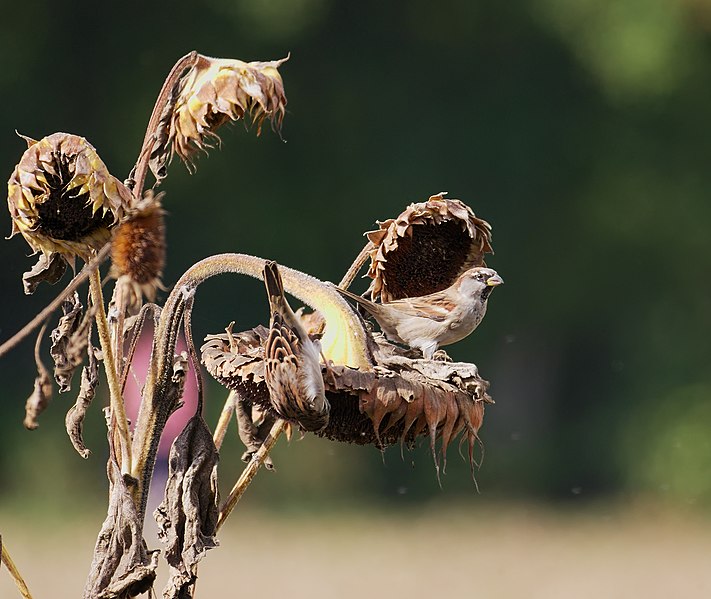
579,130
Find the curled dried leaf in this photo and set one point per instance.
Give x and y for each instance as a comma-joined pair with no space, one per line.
74,420
42,392
69,341
122,566
49,268
212,92
426,248
187,517
62,198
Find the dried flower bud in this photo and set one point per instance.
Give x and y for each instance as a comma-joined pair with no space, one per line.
213,92
426,248
138,246
62,198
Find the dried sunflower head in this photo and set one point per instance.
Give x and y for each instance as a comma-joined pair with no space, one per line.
398,402
213,92
426,248
138,247
62,198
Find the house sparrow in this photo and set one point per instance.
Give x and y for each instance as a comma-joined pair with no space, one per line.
291,362
430,321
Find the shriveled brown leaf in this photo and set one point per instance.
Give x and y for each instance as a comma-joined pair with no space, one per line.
74,420
425,248
49,268
122,567
42,392
69,341
187,518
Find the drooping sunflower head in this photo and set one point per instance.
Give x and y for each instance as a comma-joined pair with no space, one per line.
62,198
426,248
212,92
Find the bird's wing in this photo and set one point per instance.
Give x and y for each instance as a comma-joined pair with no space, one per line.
434,307
291,362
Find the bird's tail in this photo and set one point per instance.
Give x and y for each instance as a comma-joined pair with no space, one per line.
274,285
367,304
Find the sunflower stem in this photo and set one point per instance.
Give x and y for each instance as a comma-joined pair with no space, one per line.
117,407
14,572
250,472
356,266
140,170
225,417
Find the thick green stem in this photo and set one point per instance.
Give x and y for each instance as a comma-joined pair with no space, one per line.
116,398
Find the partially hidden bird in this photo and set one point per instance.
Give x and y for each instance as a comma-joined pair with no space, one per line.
291,358
430,321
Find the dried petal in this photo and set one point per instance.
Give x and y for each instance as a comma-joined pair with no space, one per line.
187,518
62,198
426,248
215,91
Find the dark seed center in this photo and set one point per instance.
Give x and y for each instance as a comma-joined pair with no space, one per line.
65,214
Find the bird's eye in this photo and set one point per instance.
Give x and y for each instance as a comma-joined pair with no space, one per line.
478,276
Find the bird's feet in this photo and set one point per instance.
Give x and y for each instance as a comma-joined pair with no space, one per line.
441,356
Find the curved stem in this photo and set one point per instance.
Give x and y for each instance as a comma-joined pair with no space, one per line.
141,168
117,408
344,342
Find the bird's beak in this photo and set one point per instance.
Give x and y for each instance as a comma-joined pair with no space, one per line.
494,280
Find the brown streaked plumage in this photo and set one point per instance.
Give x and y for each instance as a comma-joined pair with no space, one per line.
291,362
431,321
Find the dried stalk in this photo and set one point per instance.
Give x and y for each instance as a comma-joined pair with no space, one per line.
73,285
250,471
358,263
117,406
225,418
138,174
14,573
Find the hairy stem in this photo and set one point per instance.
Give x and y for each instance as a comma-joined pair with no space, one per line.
14,573
117,407
250,472
344,342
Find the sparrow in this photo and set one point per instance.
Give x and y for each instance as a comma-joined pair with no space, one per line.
291,362
430,321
